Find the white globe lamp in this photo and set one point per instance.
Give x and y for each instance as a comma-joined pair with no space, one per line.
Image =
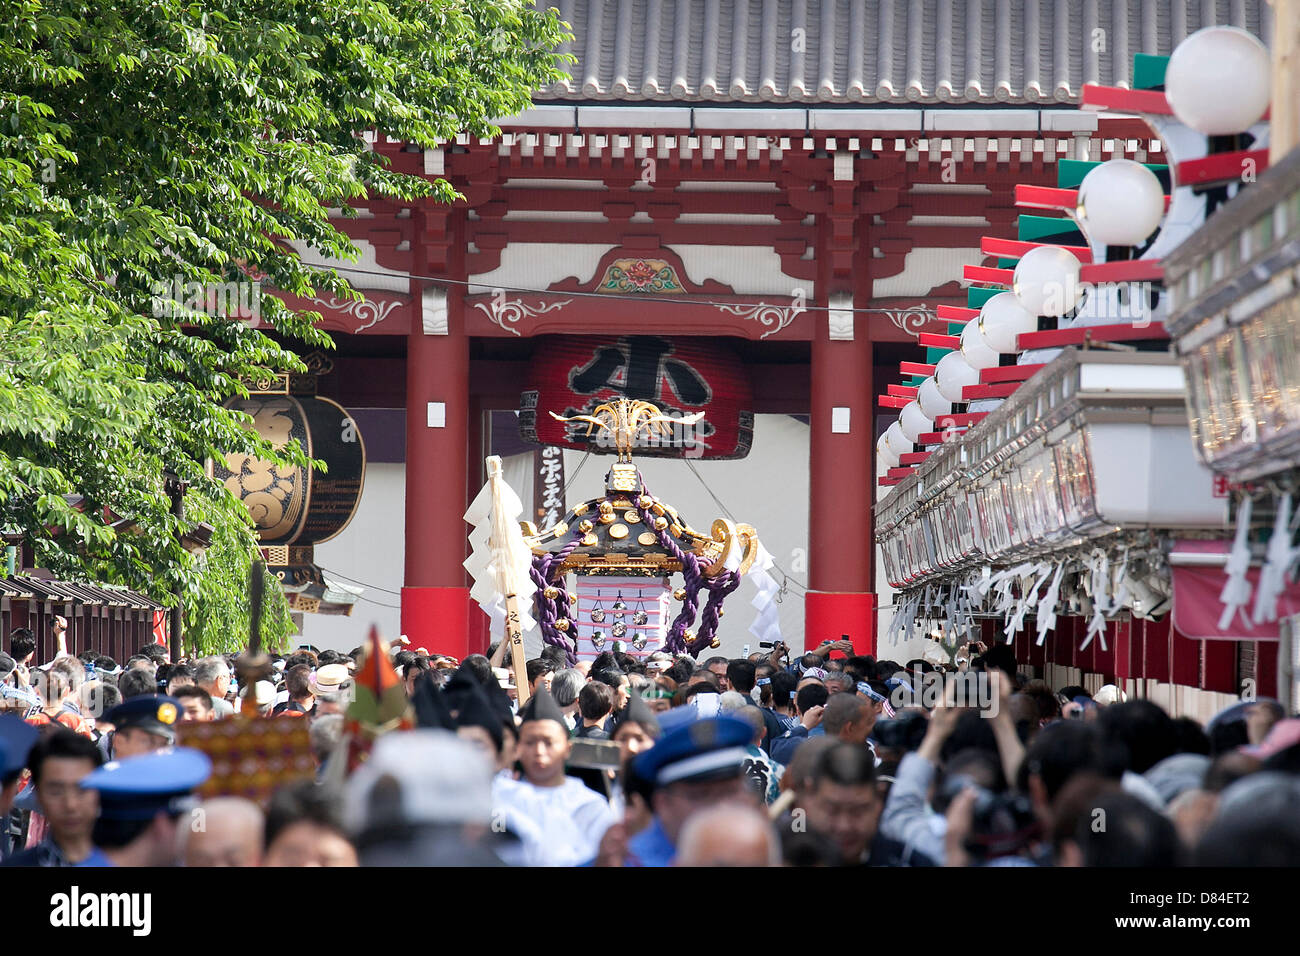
1218,80
977,353
1046,281
1003,320
883,453
898,443
1120,203
914,423
933,404
952,374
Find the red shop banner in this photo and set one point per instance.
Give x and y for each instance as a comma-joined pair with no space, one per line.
573,375
1199,575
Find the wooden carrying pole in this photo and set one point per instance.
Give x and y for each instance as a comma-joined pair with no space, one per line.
515,635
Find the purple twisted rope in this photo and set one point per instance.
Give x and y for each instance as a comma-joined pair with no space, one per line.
552,610
694,580
719,588
547,613
675,642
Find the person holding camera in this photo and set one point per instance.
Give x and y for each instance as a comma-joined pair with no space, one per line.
810,704
15,694
22,648
908,816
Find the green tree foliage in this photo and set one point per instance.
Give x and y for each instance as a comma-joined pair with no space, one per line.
145,143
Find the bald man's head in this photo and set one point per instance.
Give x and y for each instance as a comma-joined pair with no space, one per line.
223,831
729,834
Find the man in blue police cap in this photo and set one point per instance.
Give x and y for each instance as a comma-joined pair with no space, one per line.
142,725
16,740
141,803
696,764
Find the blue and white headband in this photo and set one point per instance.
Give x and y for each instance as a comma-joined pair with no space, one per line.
865,690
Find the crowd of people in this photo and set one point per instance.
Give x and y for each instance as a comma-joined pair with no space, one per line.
828,758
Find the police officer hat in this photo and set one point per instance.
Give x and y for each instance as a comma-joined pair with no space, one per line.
153,713
139,788
712,748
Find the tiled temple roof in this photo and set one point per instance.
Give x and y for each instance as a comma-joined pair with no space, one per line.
961,52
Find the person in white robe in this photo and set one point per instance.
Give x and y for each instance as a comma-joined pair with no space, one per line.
558,818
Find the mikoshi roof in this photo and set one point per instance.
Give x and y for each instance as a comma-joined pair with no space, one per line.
984,52
614,538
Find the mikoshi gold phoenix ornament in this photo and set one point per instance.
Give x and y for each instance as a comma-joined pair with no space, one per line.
625,419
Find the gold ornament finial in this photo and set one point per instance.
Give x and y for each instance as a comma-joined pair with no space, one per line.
624,419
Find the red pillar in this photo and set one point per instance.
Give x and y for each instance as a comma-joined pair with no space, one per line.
479,635
841,479
841,551
435,596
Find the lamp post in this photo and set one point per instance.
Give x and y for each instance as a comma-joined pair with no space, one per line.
12,538
175,488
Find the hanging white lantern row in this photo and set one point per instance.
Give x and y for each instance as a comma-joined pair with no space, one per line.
1003,319
1218,80
953,373
974,349
1046,281
898,443
932,402
913,422
883,452
1120,203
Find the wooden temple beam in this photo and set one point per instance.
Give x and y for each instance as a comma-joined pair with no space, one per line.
947,204
614,232
940,237
657,203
